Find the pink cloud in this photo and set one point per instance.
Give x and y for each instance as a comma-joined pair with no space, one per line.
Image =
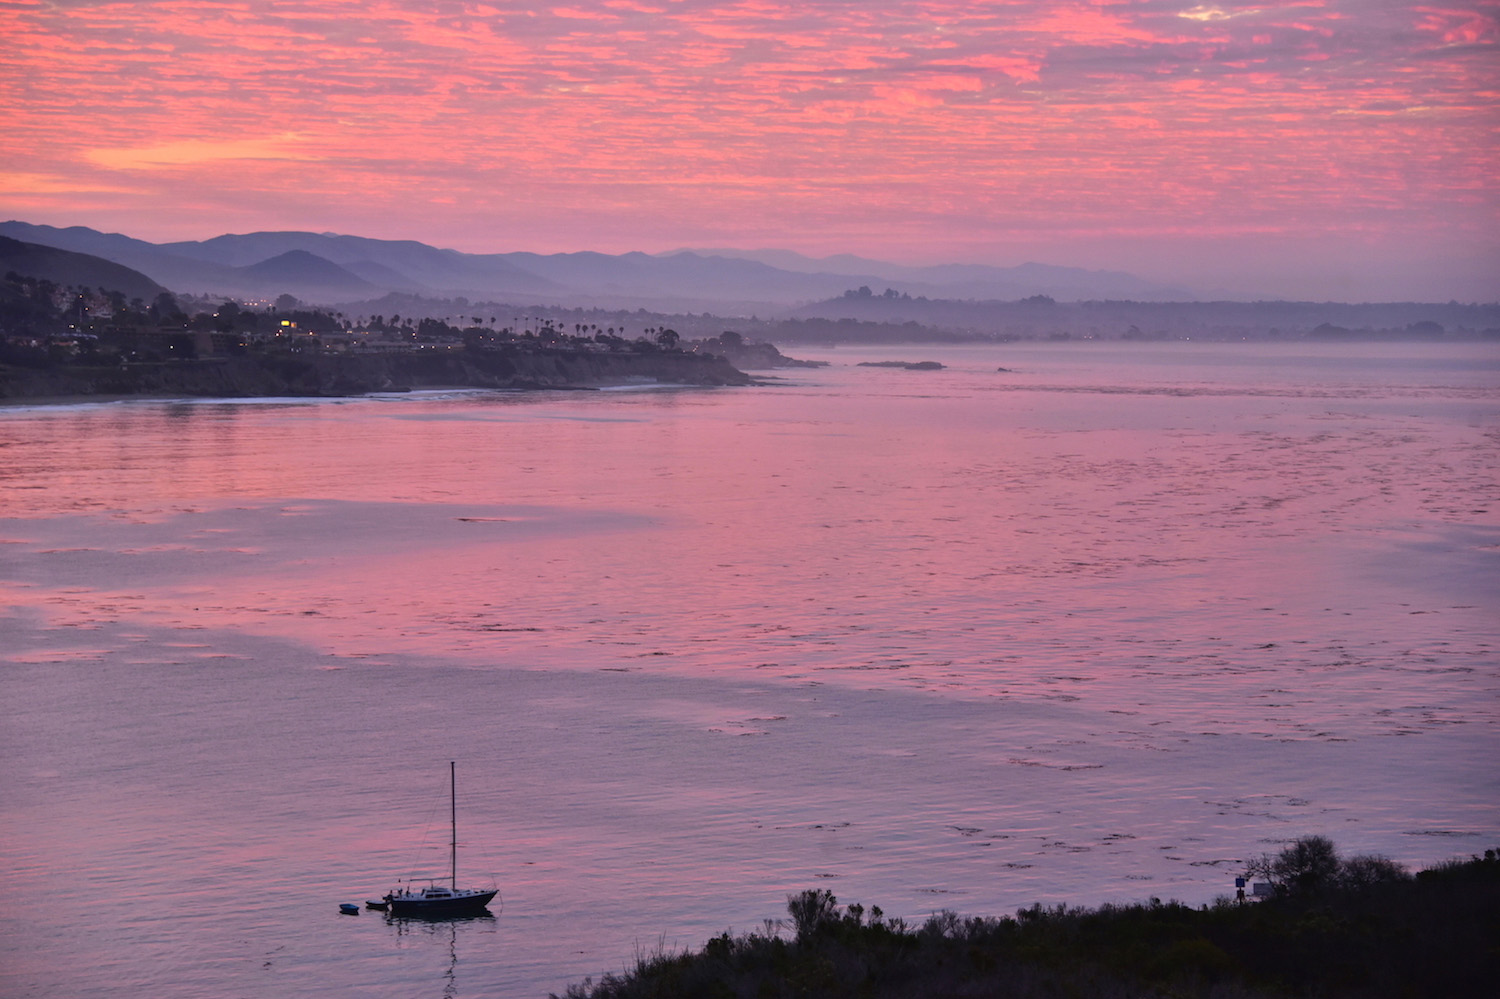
1462,27
628,122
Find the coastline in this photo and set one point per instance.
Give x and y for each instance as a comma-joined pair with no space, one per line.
342,375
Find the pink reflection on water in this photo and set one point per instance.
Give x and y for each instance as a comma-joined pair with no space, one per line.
957,638
947,539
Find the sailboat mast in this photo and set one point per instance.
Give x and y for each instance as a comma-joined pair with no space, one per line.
453,823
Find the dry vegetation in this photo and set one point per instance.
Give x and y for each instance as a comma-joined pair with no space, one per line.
1360,927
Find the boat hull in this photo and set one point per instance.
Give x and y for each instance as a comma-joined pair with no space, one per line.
437,901
460,904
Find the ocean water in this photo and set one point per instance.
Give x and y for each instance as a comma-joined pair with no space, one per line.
1094,628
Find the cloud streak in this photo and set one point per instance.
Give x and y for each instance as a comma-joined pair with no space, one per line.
189,153
917,123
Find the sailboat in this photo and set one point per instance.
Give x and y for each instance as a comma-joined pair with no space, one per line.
436,899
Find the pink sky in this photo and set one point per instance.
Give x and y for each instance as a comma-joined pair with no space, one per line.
1327,148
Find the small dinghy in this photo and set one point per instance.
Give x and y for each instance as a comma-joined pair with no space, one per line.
349,908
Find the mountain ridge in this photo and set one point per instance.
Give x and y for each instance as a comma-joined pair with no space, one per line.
70,267
967,280
683,279
300,266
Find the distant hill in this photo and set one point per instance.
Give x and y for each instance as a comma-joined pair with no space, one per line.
181,274
963,281
382,276
315,276
355,272
337,268
723,281
705,278
405,265
66,267
1039,317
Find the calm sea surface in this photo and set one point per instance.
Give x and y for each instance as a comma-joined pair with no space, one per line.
1095,628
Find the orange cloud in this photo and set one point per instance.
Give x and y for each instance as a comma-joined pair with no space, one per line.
18,185
196,152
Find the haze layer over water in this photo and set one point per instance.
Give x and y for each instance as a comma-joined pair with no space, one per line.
1095,628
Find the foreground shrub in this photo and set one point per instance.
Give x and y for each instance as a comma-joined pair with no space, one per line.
1359,928
1311,865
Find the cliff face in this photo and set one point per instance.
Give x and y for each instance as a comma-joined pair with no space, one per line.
337,375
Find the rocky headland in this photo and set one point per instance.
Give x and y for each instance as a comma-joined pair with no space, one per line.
327,374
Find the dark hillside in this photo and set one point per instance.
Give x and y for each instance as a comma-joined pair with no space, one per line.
82,270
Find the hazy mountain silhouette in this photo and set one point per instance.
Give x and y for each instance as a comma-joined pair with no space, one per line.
382,276
305,276
684,275
66,267
224,265
308,275
730,280
162,266
960,281
408,265
1039,317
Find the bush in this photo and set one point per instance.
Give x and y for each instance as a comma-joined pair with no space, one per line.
1368,931
811,911
1311,866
